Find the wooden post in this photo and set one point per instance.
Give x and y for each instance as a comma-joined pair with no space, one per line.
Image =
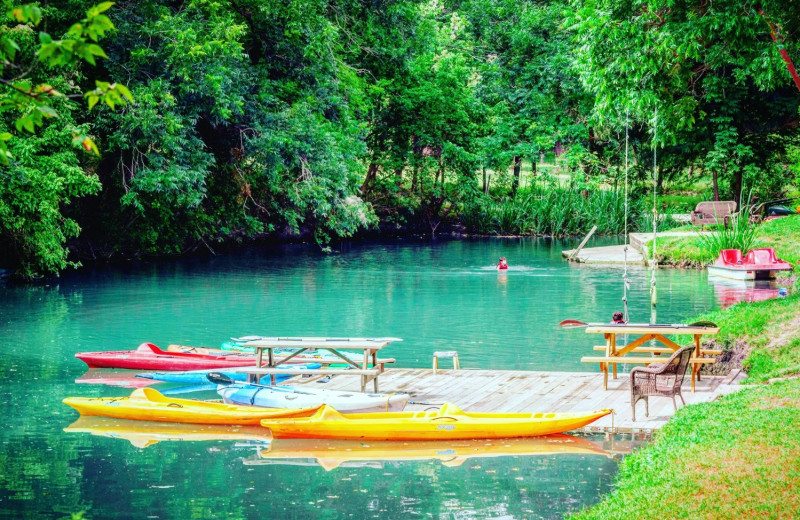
583,243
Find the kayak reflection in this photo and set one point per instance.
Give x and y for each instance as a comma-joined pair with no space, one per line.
147,433
333,453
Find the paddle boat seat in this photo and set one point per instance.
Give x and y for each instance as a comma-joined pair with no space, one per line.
761,256
731,256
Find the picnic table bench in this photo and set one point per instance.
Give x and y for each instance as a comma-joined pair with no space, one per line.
713,212
369,369
615,354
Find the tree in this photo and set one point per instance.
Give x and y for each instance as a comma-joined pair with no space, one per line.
710,71
41,173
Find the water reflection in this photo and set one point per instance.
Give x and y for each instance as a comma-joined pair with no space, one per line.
142,434
730,292
332,453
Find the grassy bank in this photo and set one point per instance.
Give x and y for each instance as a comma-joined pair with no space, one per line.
737,457
782,234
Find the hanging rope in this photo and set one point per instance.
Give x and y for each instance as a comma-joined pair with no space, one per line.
654,262
625,249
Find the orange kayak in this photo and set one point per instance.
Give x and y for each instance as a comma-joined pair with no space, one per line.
447,423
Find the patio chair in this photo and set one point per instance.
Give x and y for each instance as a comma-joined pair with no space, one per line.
660,379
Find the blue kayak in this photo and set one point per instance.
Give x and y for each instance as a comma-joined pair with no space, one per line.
199,376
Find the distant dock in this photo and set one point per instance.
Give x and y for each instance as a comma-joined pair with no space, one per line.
604,255
526,391
637,249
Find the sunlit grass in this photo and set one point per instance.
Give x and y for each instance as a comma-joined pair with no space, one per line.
738,457
770,328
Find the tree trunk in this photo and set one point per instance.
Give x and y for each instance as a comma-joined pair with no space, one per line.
485,180
372,171
716,187
736,186
517,168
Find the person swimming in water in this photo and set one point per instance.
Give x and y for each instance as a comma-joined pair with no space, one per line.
618,318
502,263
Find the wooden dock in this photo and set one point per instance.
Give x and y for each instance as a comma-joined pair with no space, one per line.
525,391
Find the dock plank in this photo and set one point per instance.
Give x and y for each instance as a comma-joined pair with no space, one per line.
526,391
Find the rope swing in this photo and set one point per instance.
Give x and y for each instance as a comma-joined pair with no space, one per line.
654,262
625,283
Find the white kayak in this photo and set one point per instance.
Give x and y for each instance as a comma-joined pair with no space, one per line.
294,397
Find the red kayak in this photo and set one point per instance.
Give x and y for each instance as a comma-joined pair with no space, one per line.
150,357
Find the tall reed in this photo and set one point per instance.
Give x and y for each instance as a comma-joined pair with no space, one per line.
739,233
553,211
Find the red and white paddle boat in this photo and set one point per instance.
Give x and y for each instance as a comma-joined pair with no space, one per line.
757,264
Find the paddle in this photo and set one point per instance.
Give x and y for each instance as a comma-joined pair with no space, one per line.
578,323
222,379
573,323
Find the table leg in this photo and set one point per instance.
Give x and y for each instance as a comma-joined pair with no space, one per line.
612,346
253,378
604,368
380,368
697,352
695,371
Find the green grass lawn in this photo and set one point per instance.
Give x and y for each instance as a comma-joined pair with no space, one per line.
739,456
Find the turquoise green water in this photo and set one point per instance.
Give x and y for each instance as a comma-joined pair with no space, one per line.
442,296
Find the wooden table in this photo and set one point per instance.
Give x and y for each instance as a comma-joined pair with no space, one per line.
368,346
618,353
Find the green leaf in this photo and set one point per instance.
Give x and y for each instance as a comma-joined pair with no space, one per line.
101,7
93,99
47,111
122,89
96,50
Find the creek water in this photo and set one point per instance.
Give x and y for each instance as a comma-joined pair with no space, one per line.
442,295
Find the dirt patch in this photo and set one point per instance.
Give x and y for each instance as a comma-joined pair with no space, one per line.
775,403
730,359
728,479
785,333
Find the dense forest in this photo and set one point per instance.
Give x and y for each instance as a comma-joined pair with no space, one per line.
162,127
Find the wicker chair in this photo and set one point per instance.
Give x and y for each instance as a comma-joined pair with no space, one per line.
660,379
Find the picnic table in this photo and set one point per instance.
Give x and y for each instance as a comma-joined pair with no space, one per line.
369,368
620,353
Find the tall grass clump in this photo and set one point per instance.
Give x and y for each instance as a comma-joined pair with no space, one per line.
738,234
552,211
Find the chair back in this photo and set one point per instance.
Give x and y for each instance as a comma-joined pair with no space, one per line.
681,359
674,370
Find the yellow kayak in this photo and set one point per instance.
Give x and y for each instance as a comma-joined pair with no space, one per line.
147,404
146,433
447,423
331,453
